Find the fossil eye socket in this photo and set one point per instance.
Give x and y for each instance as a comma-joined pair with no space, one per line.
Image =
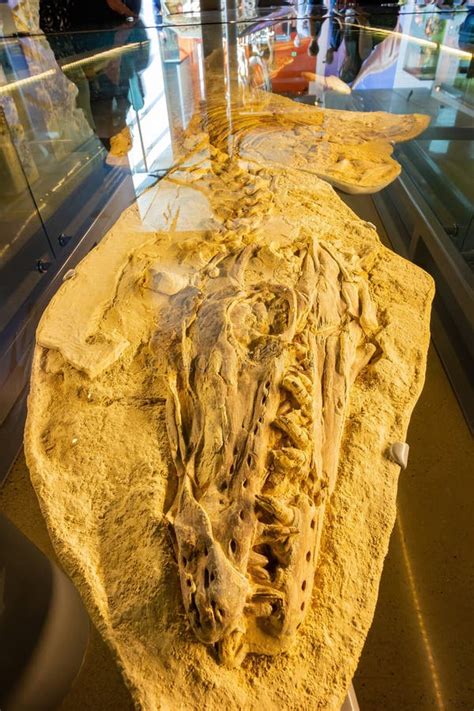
279,315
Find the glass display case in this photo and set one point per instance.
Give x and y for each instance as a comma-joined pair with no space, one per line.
88,111
91,119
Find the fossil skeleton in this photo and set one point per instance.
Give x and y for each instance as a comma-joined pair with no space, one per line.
259,374
251,285
235,280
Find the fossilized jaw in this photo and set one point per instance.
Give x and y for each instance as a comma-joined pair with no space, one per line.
214,591
293,552
259,377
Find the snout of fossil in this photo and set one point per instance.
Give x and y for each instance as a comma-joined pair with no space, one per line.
214,594
214,591
210,620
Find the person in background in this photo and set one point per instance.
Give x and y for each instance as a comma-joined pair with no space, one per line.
352,60
110,85
334,37
361,36
316,14
466,38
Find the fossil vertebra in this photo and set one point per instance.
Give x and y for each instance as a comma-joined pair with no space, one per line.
259,374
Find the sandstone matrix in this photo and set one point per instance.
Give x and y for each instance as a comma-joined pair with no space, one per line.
213,400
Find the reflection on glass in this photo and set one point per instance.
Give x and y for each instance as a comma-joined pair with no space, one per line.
122,97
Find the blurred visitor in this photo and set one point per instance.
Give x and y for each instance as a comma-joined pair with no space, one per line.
466,39
316,15
108,82
364,30
335,36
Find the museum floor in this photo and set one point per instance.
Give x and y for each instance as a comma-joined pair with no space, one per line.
419,653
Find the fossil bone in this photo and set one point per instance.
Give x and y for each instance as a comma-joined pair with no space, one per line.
351,150
138,398
232,362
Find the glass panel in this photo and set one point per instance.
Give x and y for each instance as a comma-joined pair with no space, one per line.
90,102
24,248
50,87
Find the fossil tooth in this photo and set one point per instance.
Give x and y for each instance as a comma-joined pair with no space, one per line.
281,512
259,574
271,533
296,432
300,387
257,559
259,609
288,459
264,593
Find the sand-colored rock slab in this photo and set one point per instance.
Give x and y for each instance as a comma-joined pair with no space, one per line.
104,466
351,150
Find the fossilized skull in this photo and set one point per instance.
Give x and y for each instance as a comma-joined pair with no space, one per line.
262,350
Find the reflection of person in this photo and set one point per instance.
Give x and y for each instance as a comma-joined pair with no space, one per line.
309,19
466,38
383,56
360,39
334,37
107,87
75,14
352,60
316,12
116,88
